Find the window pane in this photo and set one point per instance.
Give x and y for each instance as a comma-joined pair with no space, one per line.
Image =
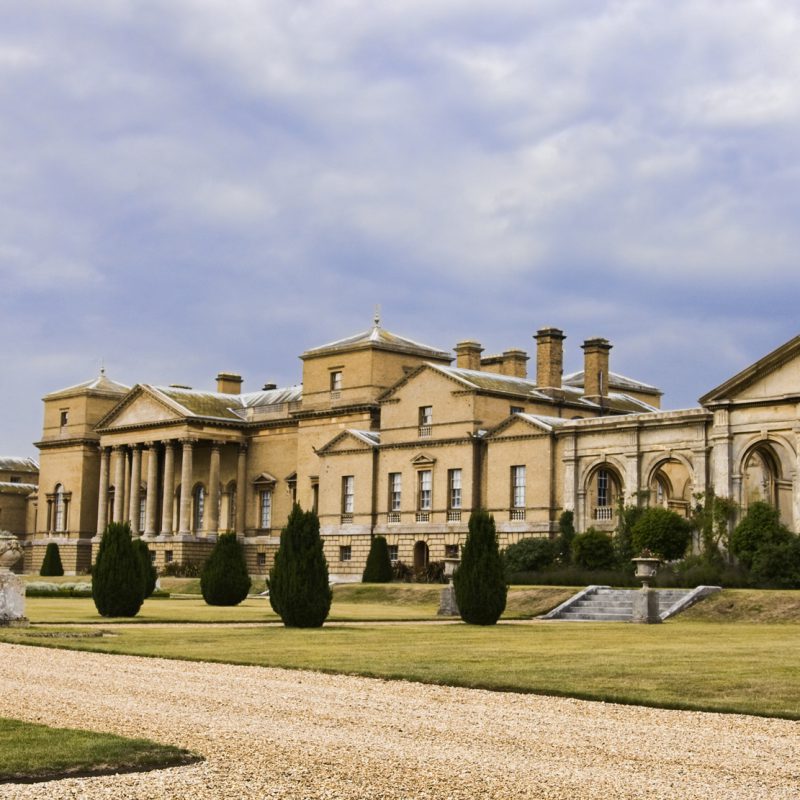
518,487
265,509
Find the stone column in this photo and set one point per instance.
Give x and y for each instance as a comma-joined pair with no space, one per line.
136,488
241,490
127,501
102,500
151,501
169,488
796,480
187,481
119,483
212,507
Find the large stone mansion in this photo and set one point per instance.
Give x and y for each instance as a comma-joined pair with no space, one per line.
386,436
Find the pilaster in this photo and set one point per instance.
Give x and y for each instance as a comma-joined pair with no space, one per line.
136,488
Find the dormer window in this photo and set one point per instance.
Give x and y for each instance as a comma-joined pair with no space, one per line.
425,420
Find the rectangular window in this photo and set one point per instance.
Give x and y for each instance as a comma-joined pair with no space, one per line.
153,557
602,488
516,410
393,555
142,510
264,508
395,490
451,551
15,479
64,417
336,382
425,492
348,494
454,488
168,556
345,552
518,487
261,559
425,420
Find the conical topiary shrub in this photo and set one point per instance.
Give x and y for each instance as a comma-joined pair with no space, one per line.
117,584
298,582
479,581
379,565
224,580
149,574
51,566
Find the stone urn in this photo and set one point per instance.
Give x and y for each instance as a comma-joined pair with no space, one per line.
646,567
645,603
448,607
10,550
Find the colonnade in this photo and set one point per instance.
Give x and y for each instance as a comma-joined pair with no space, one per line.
124,462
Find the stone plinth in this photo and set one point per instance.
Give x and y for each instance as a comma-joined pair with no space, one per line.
448,607
12,600
645,607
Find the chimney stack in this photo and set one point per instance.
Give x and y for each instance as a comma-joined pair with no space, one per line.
468,354
595,368
515,363
549,357
229,383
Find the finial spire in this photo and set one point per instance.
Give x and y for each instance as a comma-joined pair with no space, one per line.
102,367
377,317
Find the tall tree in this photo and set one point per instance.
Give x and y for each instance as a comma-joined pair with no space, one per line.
379,565
479,581
298,581
224,580
117,584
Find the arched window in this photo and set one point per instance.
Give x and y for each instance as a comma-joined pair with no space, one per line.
199,506
58,510
760,476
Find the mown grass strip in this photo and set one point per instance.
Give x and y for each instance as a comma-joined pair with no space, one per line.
31,753
742,668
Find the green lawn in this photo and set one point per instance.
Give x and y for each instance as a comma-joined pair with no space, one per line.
351,602
740,667
30,752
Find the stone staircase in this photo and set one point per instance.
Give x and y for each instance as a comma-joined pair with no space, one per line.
603,604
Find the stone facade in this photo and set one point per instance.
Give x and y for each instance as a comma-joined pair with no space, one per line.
385,435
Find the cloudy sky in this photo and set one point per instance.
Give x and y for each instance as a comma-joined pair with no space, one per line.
189,186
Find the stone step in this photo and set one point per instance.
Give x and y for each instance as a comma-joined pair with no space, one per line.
615,605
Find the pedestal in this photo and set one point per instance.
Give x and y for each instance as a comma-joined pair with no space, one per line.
448,607
12,600
645,607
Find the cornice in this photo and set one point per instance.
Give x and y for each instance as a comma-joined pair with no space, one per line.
50,444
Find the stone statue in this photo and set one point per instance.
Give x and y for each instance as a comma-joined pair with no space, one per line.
12,587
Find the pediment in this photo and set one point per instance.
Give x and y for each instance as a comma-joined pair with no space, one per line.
139,408
347,442
774,376
525,425
423,460
264,479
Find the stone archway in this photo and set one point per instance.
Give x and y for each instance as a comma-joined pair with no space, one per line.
760,476
604,487
670,486
421,555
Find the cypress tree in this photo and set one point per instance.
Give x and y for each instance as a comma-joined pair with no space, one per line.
51,566
379,565
224,580
479,581
117,584
298,581
149,574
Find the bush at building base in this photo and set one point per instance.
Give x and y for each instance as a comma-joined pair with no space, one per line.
117,584
662,532
529,555
149,574
298,582
224,580
479,581
51,566
760,527
379,565
593,550
566,533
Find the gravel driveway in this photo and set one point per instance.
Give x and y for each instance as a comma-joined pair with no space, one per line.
271,733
